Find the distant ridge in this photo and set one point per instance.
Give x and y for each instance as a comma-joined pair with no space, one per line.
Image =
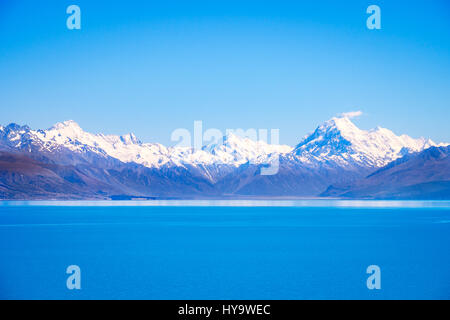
423,175
336,159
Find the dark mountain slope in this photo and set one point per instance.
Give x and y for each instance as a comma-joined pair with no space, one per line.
423,175
22,177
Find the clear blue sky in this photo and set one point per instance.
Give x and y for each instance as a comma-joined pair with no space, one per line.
150,67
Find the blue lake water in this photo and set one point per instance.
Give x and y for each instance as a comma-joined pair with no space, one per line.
225,250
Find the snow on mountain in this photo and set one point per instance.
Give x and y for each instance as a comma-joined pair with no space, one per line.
70,163
233,151
421,175
338,140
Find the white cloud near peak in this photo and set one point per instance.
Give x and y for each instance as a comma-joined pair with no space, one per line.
351,114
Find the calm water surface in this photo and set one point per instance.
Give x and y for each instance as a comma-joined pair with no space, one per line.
225,249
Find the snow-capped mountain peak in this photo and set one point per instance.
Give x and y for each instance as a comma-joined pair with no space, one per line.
233,150
337,141
130,139
343,124
236,149
66,125
340,140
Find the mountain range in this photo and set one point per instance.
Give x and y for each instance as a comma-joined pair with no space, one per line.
336,160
